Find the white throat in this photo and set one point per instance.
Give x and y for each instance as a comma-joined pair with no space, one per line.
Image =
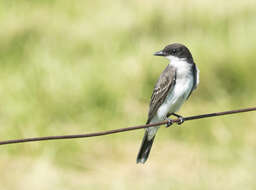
184,69
182,66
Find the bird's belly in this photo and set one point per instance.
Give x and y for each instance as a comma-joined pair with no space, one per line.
175,98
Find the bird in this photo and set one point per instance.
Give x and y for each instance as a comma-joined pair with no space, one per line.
173,88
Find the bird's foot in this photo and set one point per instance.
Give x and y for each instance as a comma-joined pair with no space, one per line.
169,122
181,120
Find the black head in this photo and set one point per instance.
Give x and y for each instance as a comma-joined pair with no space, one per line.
175,50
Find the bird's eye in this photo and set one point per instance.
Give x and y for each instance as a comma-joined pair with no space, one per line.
174,51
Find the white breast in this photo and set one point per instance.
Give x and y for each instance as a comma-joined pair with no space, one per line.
179,93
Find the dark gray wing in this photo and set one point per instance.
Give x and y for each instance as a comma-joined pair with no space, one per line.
196,78
162,87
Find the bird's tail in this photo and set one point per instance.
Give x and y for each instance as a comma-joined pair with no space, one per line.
145,148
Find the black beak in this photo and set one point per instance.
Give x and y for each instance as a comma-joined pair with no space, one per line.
160,53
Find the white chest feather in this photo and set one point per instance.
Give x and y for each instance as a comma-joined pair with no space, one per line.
176,95
180,91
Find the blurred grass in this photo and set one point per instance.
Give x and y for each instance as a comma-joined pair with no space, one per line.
83,66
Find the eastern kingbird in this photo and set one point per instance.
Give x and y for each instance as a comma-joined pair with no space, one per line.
173,87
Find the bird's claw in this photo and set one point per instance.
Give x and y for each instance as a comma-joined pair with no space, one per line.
181,120
169,122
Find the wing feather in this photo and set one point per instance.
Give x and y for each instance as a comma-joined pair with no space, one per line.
162,87
196,79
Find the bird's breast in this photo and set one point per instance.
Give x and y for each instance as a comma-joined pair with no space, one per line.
177,95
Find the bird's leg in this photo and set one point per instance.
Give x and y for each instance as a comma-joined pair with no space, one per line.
169,122
169,114
181,119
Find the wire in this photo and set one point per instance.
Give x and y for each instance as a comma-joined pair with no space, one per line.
124,129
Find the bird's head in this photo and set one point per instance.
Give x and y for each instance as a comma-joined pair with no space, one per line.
175,51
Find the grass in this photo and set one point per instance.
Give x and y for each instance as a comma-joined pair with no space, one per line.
69,68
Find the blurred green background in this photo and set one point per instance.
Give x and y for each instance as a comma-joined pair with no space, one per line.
70,67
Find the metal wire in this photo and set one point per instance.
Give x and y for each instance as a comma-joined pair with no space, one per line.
124,129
